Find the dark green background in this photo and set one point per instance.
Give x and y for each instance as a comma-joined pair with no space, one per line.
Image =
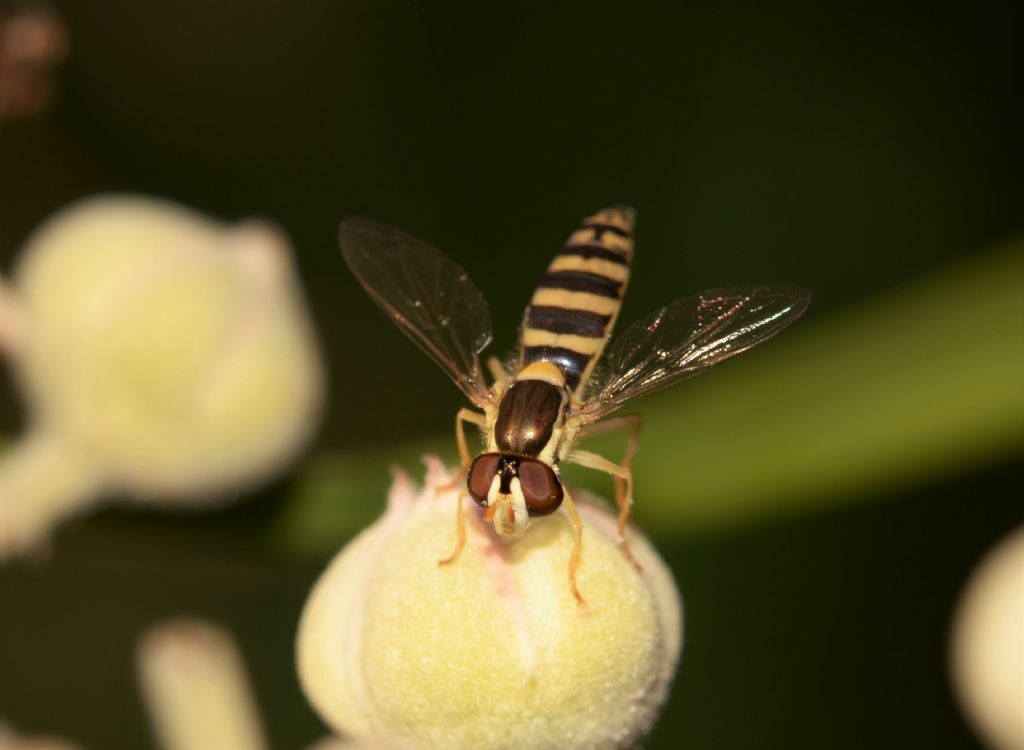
849,147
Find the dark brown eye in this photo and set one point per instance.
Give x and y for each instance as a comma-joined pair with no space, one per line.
481,474
541,488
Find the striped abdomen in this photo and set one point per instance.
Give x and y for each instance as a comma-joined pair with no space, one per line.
575,305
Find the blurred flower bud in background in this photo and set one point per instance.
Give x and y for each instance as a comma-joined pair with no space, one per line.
491,651
196,690
161,354
988,645
33,40
198,694
9,740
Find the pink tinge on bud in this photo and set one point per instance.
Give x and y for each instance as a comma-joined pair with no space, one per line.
263,250
437,473
402,494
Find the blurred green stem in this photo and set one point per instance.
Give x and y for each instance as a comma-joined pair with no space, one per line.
921,383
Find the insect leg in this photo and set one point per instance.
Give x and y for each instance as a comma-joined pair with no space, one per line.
460,530
635,424
464,415
600,463
498,373
574,558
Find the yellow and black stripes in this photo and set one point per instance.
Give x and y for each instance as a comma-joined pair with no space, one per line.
581,281
557,319
575,305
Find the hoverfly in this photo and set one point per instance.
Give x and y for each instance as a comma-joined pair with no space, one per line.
533,416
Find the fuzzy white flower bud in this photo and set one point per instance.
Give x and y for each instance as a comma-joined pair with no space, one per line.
988,645
491,651
160,353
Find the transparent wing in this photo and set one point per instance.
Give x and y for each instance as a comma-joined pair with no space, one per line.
426,294
688,337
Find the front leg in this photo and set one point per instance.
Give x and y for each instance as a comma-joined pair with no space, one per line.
464,415
460,530
480,420
574,558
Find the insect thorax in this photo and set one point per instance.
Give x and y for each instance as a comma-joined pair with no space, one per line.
531,414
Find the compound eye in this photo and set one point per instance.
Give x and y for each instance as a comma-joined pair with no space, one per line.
541,488
481,475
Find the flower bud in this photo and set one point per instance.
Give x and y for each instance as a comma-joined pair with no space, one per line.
196,689
491,651
988,645
11,741
160,353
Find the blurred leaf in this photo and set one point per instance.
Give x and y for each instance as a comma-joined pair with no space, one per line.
921,383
